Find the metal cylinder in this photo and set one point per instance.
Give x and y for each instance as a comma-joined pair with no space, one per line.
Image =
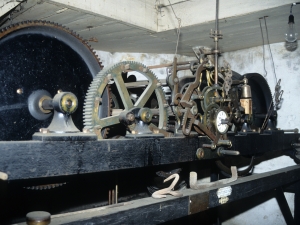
246,91
65,102
38,218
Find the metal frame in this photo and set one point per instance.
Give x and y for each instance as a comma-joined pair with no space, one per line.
154,211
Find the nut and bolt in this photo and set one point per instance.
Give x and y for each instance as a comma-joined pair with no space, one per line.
130,117
176,80
194,110
200,153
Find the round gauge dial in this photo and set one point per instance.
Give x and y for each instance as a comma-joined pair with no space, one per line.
220,121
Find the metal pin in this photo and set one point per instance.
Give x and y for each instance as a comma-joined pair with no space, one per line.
109,197
116,194
212,146
228,152
292,130
113,197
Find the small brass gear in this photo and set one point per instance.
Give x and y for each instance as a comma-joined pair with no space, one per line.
93,120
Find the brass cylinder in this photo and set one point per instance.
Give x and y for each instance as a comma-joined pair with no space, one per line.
246,91
38,218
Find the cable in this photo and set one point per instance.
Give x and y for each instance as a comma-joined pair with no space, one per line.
270,49
262,35
179,25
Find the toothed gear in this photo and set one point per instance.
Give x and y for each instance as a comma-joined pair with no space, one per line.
40,55
45,186
93,120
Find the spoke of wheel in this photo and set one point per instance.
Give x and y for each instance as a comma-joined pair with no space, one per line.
123,91
108,121
146,95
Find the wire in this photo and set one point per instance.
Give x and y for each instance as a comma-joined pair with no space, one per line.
295,3
262,35
179,25
270,49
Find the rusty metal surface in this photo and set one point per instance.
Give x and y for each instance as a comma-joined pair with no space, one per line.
199,202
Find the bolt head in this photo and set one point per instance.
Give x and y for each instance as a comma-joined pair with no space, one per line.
130,117
20,91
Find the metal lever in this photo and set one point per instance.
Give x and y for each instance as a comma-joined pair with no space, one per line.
222,151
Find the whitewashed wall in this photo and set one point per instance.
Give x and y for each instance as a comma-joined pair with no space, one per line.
287,66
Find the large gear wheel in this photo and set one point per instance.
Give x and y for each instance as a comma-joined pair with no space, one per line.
39,55
115,75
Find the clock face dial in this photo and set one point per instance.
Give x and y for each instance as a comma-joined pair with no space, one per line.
221,127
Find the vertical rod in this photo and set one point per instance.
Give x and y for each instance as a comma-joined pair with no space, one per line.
217,15
113,197
216,37
116,194
109,197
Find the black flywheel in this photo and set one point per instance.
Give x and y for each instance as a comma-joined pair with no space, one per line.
39,55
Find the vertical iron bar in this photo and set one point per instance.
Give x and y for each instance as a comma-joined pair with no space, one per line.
216,39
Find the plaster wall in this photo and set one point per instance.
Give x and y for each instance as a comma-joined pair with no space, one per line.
287,68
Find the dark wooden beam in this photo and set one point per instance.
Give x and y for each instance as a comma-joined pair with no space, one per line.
34,159
154,211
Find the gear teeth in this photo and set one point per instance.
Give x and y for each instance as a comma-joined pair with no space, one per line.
98,81
45,187
51,24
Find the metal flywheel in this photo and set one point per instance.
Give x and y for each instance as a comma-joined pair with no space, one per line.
35,56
